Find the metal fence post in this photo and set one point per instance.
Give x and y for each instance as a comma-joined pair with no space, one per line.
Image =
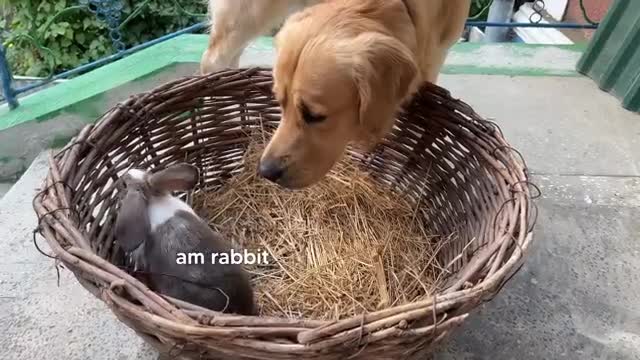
500,11
6,79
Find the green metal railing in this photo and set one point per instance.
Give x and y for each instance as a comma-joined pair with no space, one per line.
110,13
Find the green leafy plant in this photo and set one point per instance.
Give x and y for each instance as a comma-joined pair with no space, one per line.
50,36
479,10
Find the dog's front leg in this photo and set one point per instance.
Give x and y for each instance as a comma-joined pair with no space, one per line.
235,24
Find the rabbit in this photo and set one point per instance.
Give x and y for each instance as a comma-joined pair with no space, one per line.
153,227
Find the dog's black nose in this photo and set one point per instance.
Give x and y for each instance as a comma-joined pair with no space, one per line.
271,170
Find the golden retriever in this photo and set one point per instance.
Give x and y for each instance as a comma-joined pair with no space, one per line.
343,70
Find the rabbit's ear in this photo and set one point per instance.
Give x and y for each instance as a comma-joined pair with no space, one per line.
132,226
180,177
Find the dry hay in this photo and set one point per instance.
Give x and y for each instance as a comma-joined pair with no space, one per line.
345,246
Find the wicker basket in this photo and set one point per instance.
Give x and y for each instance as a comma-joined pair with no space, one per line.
455,164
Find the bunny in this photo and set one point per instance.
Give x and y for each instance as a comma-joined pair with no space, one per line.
153,227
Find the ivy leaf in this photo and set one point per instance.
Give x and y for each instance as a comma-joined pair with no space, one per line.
60,5
81,38
57,29
94,44
44,7
87,23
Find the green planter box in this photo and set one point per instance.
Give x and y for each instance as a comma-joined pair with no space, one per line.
612,59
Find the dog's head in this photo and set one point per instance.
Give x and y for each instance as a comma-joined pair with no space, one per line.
339,78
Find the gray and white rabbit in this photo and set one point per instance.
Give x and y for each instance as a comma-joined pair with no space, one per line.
153,227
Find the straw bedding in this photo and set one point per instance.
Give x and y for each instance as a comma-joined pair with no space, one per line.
345,246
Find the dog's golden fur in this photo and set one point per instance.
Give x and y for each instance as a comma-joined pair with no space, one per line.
343,69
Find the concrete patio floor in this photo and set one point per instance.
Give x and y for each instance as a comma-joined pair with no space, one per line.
4,188
576,297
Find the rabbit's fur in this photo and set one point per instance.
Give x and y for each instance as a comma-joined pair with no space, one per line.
153,227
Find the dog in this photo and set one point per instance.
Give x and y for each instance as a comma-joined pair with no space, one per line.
343,70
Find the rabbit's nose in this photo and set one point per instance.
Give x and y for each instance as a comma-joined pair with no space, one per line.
271,170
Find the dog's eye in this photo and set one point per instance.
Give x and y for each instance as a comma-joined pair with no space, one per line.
308,116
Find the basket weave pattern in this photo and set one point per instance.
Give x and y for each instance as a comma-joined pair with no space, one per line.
456,166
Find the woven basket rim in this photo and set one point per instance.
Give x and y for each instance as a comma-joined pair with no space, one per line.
57,222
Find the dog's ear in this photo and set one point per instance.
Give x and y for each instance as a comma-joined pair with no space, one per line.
385,74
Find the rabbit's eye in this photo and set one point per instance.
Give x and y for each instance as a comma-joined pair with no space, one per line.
122,185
